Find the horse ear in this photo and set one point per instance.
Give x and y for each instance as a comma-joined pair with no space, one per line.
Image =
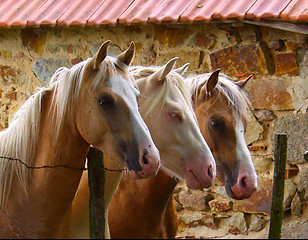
160,75
128,55
242,83
207,88
100,55
181,70
212,81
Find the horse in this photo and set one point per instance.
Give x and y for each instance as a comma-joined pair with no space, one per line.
166,107
221,108
43,151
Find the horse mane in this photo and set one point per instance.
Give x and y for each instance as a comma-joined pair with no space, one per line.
19,142
173,79
235,96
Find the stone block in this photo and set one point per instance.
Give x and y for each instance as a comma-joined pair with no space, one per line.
264,115
291,172
259,202
206,40
33,39
76,60
194,200
261,164
296,206
194,219
11,95
236,224
270,94
302,181
171,36
285,63
289,193
10,75
295,126
6,55
248,59
253,130
257,223
219,205
248,34
44,68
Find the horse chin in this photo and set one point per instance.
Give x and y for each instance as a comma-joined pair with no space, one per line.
193,182
135,175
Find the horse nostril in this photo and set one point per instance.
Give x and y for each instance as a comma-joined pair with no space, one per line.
210,172
145,152
144,160
243,183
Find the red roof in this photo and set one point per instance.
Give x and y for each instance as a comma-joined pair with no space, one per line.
97,12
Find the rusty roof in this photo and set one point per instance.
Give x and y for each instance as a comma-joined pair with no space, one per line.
98,12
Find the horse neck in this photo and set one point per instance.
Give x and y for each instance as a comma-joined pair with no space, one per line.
51,190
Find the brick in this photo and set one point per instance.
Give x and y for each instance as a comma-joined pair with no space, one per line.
259,202
285,63
247,59
33,39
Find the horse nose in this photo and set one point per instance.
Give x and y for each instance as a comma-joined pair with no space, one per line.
150,162
211,173
245,186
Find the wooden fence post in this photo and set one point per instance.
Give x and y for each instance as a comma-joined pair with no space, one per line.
280,156
96,173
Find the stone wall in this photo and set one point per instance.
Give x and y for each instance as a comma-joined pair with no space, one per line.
277,59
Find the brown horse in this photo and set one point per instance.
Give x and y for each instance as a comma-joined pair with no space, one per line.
165,105
220,107
43,151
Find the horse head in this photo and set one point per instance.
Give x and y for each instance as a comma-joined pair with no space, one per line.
108,116
166,107
221,107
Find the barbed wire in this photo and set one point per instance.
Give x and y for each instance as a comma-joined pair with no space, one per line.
56,166
21,225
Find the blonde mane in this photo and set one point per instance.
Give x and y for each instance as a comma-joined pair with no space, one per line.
236,97
19,142
173,79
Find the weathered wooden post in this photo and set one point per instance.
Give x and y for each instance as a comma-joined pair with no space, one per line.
96,173
280,156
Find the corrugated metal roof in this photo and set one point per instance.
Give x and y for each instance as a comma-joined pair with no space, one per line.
97,12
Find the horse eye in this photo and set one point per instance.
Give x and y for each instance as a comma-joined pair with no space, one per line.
217,124
105,101
175,115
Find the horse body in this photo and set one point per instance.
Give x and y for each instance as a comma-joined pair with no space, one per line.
220,107
44,149
165,106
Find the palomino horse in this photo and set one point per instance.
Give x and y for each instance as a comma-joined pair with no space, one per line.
165,105
220,107
44,149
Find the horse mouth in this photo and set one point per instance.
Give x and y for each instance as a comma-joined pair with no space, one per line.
230,193
192,181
